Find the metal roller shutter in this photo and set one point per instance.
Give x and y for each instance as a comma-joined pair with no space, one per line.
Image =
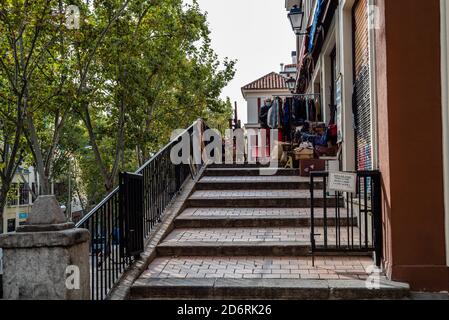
361,94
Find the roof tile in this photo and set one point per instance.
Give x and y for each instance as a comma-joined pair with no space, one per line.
270,81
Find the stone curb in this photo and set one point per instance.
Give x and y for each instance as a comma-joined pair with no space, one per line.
223,172
266,289
254,222
263,248
241,202
238,185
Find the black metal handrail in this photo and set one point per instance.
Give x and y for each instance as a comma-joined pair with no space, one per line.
351,222
162,180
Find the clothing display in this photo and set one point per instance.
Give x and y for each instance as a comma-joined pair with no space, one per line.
274,119
263,116
301,132
288,120
298,111
306,109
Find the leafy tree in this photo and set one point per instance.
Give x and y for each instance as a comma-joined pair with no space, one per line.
106,96
23,25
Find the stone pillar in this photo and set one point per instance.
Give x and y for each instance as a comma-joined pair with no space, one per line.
47,258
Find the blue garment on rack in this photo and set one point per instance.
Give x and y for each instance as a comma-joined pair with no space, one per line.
287,114
316,17
273,115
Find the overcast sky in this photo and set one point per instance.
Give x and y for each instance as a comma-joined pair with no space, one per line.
255,32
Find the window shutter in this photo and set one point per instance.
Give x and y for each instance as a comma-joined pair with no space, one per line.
361,99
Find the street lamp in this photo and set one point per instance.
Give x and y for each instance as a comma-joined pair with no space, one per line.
296,17
291,84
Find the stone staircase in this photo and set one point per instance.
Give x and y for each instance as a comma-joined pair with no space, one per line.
247,236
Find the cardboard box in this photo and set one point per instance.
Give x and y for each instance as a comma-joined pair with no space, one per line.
307,166
304,153
304,156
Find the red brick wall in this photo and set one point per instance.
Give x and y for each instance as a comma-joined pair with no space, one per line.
410,142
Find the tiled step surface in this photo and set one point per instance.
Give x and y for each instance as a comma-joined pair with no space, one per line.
256,217
230,166
285,241
245,212
250,172
257,198
267,267
261,277
272,289
254,183
239,235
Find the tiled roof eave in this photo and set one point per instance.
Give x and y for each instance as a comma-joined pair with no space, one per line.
271,81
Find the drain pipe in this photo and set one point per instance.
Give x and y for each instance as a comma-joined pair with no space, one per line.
444,6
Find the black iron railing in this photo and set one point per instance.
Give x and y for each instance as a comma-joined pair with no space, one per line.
119,223
351,222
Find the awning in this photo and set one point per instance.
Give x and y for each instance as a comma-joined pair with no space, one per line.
317,12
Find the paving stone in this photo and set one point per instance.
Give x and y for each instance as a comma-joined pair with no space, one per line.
242,288
225,267
255,183
257,217
269,198
238,171
254,179
263,194
278,234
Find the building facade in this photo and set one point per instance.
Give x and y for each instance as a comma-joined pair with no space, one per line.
20,199
383,66
24,190
256,92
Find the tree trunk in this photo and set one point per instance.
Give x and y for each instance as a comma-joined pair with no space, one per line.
36,150
93,141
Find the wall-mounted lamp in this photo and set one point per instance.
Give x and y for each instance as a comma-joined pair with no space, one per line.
291,84
296,17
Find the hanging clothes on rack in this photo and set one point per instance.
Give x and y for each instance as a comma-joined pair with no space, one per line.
263,116
287,119
304,107
300,110
311,110
274,115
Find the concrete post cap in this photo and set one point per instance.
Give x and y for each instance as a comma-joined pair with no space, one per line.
46,215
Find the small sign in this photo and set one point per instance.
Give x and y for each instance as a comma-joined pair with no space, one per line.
23,215
343,182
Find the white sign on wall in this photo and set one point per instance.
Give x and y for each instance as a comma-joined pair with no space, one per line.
343,182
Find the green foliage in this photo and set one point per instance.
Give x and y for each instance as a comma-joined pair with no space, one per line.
106,96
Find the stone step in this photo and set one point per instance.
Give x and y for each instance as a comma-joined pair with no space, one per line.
235,165
210,249
238,171
274,289
258,199
266,277
274,241
257,218
255,183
